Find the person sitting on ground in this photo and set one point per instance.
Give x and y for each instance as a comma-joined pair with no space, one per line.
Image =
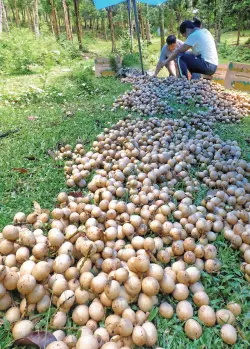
202,60
171,44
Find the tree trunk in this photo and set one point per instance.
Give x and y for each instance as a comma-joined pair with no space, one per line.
29,18
36,20
112,30
70,25
97,23
1,17
141,21
13,15
219,31
238,35
171,24
16,14
23,17
90,23
162,29
59,23
85,23
93,25
104,29
148,34
54,19
78,24
4,16
66,20
47,20
216,22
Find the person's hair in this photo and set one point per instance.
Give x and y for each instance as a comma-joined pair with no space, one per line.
197,23
171,39
186,25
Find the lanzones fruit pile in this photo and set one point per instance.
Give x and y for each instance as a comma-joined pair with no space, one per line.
136,237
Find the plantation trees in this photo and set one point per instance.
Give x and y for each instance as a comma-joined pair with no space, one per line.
238,12
112,29
78,24
68,18
54,19
36,19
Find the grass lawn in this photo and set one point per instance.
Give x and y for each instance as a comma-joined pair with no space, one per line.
29,173
42,125
231,37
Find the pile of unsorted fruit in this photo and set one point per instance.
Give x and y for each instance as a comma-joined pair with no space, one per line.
107,258
145,99
150,96
128,73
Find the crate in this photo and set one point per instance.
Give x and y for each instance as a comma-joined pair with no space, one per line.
220,74
238,77
104,67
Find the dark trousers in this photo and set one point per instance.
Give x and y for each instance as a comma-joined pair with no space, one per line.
195,65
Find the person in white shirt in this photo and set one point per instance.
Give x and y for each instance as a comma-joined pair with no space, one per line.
171,45
203,59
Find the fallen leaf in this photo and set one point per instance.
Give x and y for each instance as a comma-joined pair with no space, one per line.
20,169
69,114
39,338
32,117
31,157
153,313
52,154
86,142
36,88
76,194
59,145
37,207
55,123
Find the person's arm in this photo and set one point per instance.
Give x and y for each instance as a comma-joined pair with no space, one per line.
161,59
181,49
158,68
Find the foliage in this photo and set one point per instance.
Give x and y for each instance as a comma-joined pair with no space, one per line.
234,53
20,53
124,43
86,83
131,60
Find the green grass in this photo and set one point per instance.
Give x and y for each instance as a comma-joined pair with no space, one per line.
239,133
45,177
68,89
231,37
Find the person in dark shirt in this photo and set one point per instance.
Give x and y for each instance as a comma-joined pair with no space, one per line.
171,45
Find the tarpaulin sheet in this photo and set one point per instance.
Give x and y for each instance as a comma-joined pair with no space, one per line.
99,4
